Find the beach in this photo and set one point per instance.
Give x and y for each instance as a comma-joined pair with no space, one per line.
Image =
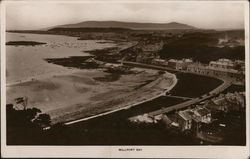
68,93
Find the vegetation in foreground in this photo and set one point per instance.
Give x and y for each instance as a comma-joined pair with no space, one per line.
25,126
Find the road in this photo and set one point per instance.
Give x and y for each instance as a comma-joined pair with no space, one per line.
226,83
125,107
180,97
214,92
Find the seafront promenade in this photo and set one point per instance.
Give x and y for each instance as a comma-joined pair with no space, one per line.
226,83
160,81
214,92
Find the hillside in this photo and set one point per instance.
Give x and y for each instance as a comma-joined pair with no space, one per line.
130,25
203,47
89,29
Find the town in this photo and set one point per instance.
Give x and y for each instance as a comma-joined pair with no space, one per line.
114,79
194,115
210,59
205,116
197,117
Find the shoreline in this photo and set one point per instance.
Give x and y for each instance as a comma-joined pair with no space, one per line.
40,77
174,80
160,91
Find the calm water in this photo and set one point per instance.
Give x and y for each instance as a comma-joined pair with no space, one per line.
23,62
114,129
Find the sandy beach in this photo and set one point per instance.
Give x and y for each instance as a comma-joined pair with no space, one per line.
77,95
68,93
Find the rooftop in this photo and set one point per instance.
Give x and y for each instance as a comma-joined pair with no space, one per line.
202,111
221,63
186,114
222,69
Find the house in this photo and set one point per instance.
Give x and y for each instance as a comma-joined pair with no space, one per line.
172,63
217,104
191,119
240,64
160,62
227,102
179,65
224,72
175,64
144,59
184,119
202,114
236,101
199,68
186,62
21,103
222,63
212,70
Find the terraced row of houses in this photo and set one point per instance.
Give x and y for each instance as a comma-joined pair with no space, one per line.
221,67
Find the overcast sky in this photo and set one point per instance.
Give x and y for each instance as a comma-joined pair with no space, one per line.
207,15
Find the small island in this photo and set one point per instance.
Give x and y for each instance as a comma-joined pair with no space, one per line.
25,43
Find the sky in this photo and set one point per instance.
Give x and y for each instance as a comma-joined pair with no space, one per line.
206,15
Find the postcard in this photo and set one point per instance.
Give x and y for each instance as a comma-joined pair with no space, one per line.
130,79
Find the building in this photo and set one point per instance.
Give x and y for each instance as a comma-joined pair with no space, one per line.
198,68
240,63
179,64
202,114
20,103
240,66
184,119
227,102
160,62
236,101
172,63
144,59
220,68
193,118
223,72
175,64
217,104
186,63
211,70
222,63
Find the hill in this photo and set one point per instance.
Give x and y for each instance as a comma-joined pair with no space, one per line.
203,47
129,25
89,29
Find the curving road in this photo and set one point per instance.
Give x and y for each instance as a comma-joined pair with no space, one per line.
226,83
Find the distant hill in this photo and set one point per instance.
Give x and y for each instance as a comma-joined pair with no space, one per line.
89,29
129,25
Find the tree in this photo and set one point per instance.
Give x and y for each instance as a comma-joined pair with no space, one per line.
43,120
25,126
31,113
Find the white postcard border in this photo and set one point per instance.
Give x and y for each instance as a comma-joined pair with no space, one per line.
115,151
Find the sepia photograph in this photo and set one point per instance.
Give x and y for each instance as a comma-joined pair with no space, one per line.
138,78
